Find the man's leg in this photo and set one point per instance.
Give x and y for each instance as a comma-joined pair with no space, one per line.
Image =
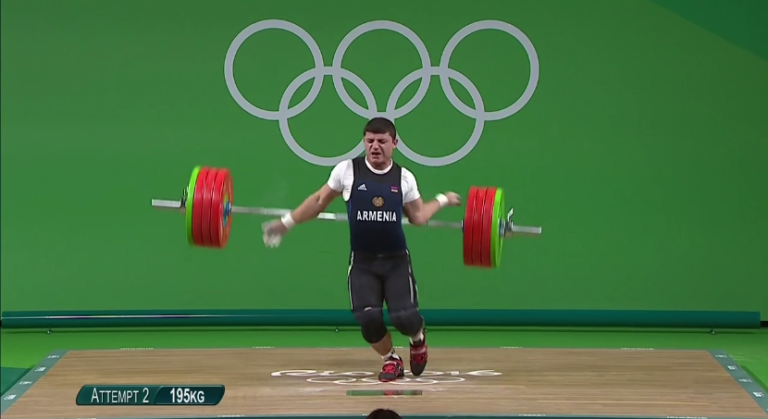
367,298
402,297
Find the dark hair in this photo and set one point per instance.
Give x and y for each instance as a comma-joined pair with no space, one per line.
381,125
383,413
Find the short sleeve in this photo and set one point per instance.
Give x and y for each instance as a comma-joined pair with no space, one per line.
410,187
336,179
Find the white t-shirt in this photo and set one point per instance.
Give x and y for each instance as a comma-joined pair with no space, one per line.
342,178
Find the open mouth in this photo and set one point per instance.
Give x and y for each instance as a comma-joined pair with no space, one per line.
375,153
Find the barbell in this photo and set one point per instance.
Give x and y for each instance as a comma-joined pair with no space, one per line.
207,203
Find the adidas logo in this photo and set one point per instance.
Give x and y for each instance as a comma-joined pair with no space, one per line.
362,187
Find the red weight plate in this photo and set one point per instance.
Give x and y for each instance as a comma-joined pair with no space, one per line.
477,221
487,225
205,220
218,206
228,199
468,220
197,206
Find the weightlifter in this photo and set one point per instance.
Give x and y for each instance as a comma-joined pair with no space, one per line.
378,192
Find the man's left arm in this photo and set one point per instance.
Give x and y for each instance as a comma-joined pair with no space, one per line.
416,210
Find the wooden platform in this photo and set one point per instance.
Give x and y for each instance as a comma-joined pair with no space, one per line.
485,382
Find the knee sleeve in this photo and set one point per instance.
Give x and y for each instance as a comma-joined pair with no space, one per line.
371,324
408,322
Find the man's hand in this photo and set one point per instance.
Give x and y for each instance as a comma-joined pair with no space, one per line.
454,200
273,232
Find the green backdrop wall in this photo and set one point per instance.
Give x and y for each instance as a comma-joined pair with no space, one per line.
641,150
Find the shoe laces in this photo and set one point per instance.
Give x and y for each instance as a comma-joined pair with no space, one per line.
419,353
390,367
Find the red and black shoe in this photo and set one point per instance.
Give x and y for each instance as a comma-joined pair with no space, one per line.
419,355
392,370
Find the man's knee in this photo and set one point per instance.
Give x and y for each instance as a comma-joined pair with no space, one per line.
408,322
372,325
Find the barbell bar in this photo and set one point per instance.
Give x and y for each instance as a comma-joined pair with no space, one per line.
207,203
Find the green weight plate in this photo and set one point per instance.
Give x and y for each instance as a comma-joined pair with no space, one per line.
188,204
497,239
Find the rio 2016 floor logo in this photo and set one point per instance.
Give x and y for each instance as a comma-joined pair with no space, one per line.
366,378
371,109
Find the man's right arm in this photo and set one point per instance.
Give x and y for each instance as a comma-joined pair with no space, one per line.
311,207
317,202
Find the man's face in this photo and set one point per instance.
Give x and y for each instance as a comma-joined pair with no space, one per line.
379,147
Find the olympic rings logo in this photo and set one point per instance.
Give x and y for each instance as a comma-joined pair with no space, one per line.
371,109
364,378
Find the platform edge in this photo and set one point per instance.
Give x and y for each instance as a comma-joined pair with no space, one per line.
420,416
29,379
737,372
